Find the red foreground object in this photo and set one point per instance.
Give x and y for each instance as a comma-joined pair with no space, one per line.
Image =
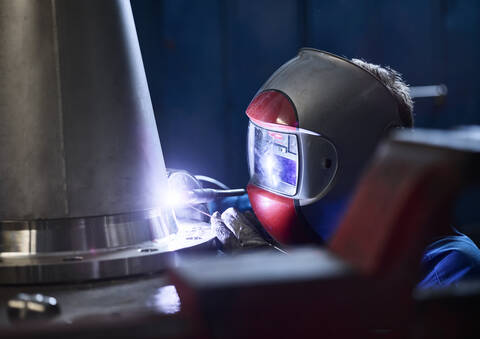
362,284
401,203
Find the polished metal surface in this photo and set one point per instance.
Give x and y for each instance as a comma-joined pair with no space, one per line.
91,264
77,131
83,184
82,234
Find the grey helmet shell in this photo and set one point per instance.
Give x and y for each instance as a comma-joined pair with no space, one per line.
344,104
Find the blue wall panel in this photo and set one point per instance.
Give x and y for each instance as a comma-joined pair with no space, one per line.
259,36
409,44
462,63
181,47
344,27
205,60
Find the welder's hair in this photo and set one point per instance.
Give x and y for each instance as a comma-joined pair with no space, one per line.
394,82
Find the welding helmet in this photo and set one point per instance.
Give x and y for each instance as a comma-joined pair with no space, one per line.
312,127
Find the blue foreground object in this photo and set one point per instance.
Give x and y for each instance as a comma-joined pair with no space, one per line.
450,260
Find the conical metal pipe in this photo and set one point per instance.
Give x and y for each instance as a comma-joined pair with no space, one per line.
81,166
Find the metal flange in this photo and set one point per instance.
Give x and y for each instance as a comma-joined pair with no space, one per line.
81,249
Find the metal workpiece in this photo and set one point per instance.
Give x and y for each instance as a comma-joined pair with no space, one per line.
77,134
84,234
83,184
83,262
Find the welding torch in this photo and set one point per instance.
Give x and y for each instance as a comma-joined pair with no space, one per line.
204,195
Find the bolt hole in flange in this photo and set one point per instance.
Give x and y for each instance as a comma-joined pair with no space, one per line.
148,250
74,258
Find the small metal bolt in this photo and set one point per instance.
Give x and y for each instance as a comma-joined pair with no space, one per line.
32,306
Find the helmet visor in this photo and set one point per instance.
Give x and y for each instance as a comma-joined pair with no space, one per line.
273,159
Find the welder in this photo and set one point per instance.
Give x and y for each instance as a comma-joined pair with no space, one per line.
313,126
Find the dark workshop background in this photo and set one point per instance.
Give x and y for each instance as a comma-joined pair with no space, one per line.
205,60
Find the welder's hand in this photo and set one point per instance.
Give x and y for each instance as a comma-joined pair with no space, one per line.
236,230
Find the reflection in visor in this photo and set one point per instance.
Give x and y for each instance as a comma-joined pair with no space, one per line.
273,159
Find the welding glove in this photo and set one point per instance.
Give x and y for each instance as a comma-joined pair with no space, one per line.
236,230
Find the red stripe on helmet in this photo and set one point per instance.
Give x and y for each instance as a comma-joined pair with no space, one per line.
279,217
273,109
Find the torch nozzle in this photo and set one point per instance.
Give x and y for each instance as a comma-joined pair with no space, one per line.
203,195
